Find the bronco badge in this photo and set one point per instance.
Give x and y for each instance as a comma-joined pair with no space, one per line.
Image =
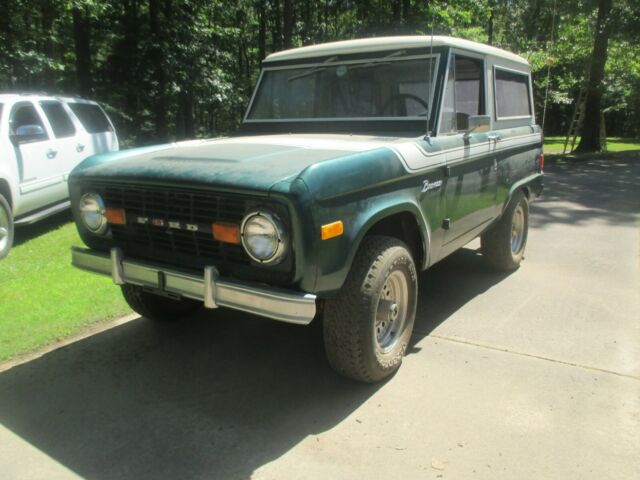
426,186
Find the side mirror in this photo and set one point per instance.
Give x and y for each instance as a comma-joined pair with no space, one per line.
478,124
28,133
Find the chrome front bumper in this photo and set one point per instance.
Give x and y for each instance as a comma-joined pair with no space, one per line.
283,305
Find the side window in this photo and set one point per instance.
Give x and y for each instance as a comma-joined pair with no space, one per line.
92,117
464,94
26,124
512,94
59,119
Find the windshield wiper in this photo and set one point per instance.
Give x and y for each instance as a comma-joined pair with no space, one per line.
380,61
312,71
372,63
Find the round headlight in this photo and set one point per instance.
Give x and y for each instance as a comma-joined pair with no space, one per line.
92,213
263,237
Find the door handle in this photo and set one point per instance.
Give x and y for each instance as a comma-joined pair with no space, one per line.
79,147
51,153
495,138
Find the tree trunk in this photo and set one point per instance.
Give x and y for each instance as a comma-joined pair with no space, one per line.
397,8
406,11
590,140
82,46
288,23
48,16
276,32
159,77
262,30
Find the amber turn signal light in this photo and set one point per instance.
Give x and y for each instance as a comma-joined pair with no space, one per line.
115,216
226,232
332,230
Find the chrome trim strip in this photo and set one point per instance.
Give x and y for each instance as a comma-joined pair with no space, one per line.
283,305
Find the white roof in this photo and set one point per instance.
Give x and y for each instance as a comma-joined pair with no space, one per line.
378,44
8,97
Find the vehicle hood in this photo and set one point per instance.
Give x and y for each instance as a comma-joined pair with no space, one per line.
247,163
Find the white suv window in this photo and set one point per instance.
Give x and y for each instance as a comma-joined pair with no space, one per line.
92,117
26,114
58,118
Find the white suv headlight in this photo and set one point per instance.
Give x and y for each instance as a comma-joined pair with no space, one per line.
91,208
264,237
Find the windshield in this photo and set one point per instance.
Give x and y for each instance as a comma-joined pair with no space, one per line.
380,88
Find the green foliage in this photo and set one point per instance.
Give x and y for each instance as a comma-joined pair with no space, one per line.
173,69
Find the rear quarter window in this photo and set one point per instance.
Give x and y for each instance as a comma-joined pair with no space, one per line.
59,119
512,94
92,117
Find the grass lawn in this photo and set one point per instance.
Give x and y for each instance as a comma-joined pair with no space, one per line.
614,144
42,297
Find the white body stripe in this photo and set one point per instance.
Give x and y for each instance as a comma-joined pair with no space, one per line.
410,151
415,158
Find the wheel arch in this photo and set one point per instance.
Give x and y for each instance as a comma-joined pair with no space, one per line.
526,185
5,191
404,222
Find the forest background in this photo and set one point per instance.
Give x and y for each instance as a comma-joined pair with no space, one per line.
177,69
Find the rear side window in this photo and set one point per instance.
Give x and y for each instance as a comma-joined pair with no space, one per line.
59,119
512,94
92,117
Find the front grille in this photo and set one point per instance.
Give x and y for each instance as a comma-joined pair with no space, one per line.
182,207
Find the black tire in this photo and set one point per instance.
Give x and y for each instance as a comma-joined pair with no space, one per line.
6,227
156,307
352,326
498,246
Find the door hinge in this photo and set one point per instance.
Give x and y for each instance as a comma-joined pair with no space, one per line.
446,223
447,171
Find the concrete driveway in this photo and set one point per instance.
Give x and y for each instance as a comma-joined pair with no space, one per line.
533,375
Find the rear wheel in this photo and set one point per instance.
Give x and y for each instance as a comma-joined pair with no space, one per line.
368,325
6,227
504,243
156,307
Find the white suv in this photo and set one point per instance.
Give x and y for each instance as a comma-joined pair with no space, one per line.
42,138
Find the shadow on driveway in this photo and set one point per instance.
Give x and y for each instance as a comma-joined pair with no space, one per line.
217,396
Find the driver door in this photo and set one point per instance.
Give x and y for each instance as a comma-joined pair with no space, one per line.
41,181
471,186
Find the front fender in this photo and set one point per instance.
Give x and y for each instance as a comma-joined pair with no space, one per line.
335,256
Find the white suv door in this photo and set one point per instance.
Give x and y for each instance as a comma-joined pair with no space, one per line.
41,179
68,142
100,135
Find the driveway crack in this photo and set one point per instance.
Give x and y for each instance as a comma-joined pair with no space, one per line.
531,355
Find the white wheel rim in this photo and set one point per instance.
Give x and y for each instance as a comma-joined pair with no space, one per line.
391,314
517,230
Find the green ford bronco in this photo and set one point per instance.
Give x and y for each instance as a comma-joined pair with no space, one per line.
357,164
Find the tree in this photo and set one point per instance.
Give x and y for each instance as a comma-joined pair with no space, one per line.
82,45
590,140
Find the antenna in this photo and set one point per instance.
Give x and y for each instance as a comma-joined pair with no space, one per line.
430,99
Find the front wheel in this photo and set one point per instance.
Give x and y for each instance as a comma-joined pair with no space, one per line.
368,325
156,307
6,227
503,244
